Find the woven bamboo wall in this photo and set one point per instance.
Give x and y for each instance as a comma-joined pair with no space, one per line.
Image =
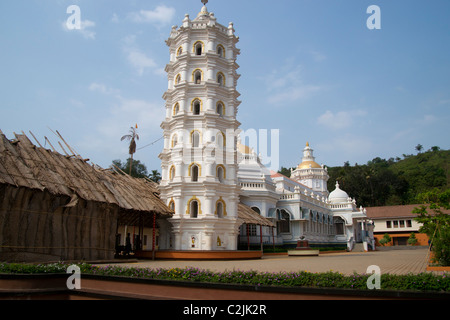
37,226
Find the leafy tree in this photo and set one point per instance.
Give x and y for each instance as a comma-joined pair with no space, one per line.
412,240
383,182
385,240
285,171
436,223
435,149
419,148
155,176
139,170
132,137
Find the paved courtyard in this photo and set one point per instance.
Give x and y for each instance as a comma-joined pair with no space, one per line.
390,261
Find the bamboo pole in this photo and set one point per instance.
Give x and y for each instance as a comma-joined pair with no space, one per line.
261,237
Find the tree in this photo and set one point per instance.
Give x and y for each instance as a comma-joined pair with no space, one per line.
435,223
419,148
155,176
285,171
385,240
435,149
412,240
132,137
139,170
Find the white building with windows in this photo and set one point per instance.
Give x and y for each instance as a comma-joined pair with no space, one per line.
199,160
301,205
206,172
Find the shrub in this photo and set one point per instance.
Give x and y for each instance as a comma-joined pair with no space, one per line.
418,282
385,240
412,240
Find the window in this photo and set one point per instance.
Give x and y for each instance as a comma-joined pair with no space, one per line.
180,51
172,173
389,224
194,173
339,228
221,51
220,208
176,109
196,106
402,223
256,209
284,225
220,173
198,48
251,228
409,223
174,140
172,205
220,109
220,140
178,79
221,79
194,209
195,139
395,223
339,225
198,76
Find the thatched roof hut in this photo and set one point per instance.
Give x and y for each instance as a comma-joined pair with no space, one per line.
55,206
247,216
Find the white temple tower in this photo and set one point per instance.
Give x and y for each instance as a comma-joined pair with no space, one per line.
199,160
310,173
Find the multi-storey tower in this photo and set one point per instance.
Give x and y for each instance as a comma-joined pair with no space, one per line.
310,173
199,160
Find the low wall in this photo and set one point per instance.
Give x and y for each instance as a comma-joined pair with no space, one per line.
200,255
112,288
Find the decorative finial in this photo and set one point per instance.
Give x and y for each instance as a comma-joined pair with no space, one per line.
204,2
307,144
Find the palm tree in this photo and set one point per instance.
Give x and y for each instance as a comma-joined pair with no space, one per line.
155,176
132,137
419,148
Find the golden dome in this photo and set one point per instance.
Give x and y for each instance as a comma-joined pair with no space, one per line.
309,164
244,149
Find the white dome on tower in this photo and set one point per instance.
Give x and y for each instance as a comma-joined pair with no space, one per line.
338,195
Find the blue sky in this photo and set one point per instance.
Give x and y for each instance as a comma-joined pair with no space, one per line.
310,68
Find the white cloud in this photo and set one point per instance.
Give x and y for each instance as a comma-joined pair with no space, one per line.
162,15
85,25
85,29
100,87
136,58
340,120
286,85
318,56
139,60
115,18
293,93
429,119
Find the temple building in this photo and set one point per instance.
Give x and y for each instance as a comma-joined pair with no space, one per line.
199,160
207,173
301,205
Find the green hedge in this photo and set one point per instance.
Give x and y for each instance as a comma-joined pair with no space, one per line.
417,282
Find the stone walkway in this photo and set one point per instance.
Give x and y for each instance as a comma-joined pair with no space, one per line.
391,261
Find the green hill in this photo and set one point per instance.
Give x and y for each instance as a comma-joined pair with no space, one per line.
397,181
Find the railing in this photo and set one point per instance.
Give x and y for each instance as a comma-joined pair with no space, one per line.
251,185
256,240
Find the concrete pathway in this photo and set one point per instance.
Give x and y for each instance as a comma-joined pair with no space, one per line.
392,261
